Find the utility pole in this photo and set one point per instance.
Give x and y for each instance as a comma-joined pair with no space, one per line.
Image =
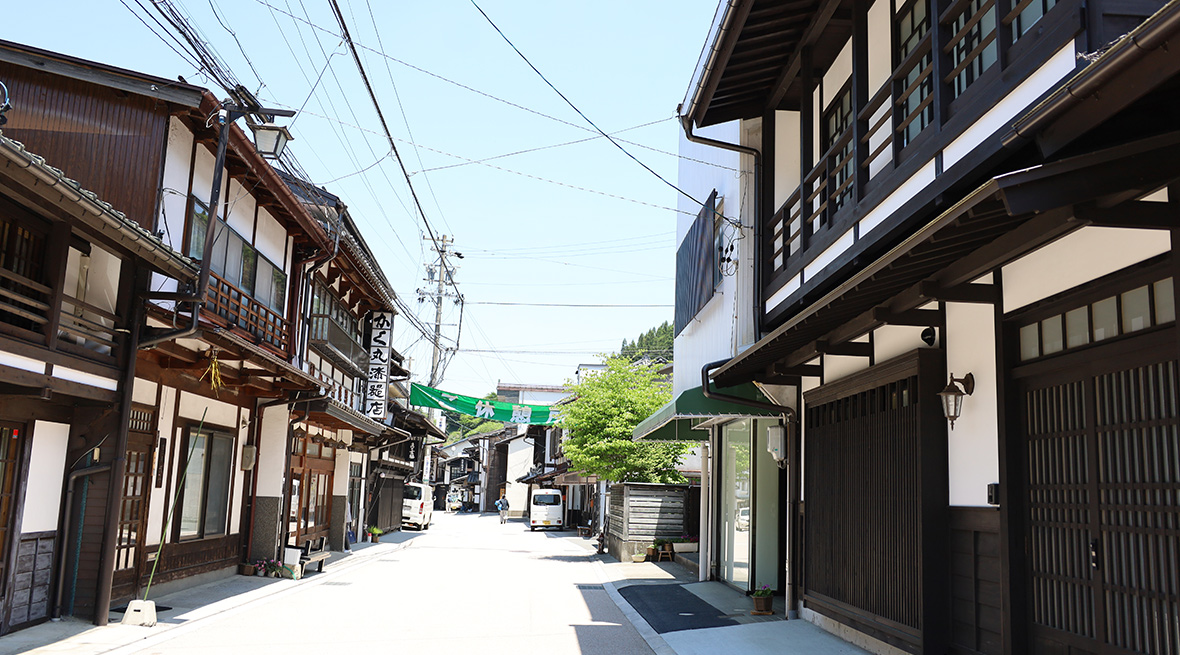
439,275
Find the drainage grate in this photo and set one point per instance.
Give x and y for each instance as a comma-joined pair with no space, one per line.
589,586
336,583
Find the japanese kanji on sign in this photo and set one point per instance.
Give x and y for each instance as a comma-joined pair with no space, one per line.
493,410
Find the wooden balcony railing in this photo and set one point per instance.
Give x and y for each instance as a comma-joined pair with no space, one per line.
337,344
82,329
239,309
337,391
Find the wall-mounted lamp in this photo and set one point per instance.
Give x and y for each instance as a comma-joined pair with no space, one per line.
952,396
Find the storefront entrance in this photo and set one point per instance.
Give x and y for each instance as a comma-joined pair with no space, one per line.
1102,459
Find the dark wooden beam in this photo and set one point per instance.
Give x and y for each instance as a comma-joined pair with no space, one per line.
969,293
1143,215
826,10
846,349
911,318
779,369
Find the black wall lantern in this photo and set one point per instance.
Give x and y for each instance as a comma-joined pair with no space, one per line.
952,396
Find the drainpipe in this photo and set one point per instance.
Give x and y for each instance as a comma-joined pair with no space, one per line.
66,511
704,557
686,123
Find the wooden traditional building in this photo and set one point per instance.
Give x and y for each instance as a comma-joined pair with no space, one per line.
947,187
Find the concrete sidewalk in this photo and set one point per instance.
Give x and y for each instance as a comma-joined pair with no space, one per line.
187,608
682,621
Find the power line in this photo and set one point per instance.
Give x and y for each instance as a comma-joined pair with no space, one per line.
384,126
554,304
579,111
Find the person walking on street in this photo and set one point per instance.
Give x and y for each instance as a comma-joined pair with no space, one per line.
502,505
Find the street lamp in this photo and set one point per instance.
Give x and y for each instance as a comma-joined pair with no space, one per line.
270,139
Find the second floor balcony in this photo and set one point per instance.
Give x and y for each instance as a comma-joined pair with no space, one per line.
337,344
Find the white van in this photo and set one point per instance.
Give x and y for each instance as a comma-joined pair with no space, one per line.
546,509
417,505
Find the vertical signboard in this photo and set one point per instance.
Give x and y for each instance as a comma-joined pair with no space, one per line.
377,385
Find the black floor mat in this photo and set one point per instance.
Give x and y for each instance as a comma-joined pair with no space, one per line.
671,607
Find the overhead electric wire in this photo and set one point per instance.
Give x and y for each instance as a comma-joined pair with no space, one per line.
575,107
490,96
557,304
384,126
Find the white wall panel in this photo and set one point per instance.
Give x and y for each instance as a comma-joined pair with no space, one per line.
908,189
1001,115
880,46
829,255
787,173
836,75
1077,258
973,447
271,239
43,490
891,341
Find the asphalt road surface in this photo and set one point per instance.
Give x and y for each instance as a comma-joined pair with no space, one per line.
468,585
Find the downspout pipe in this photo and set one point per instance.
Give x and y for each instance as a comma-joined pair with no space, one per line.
787,412
686,123
73,477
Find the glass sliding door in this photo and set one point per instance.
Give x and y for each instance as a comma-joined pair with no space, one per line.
735,516
765,525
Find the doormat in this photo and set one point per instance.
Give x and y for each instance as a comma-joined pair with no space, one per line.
671,607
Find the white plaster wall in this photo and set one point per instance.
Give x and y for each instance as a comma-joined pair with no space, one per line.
239,490
520,460
836,75
1077,258
43,489
203,176
21,362
144,391
787,173
891,341
1061,64
215,412
710,335
880,45
340,473
839,366
241,210
272,452
271,239
159,503
973,444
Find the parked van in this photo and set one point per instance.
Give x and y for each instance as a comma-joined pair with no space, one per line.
417,505
546,509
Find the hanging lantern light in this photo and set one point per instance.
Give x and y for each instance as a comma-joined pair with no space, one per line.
952,396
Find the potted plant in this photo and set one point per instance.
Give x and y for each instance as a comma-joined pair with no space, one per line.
763,599
651,550
375,533
639,557
685,544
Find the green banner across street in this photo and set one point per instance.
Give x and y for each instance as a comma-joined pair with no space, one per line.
492,410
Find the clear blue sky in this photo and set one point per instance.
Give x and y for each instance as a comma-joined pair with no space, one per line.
565,224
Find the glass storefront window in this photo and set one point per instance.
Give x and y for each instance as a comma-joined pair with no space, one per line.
734,555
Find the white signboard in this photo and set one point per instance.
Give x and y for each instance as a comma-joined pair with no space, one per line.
377,387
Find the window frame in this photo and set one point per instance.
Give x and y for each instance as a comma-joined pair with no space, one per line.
276,298
210,433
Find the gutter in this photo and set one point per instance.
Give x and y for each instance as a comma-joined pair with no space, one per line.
686,123
722,22
1150,35
788,413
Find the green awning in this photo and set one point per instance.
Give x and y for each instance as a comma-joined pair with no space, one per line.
678,420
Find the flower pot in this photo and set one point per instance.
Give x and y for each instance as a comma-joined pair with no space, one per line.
763,603
639,557
651,551
374,537
685,547
245,569
260,572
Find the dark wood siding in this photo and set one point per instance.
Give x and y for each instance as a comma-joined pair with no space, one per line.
876,489
32,577
976,594
1101,444
108,140
646,512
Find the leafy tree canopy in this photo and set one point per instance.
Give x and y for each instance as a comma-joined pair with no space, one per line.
607,406
654,344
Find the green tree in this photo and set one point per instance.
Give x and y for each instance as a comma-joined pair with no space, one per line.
655,343
606,407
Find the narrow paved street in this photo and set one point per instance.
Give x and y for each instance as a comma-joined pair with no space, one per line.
466,585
